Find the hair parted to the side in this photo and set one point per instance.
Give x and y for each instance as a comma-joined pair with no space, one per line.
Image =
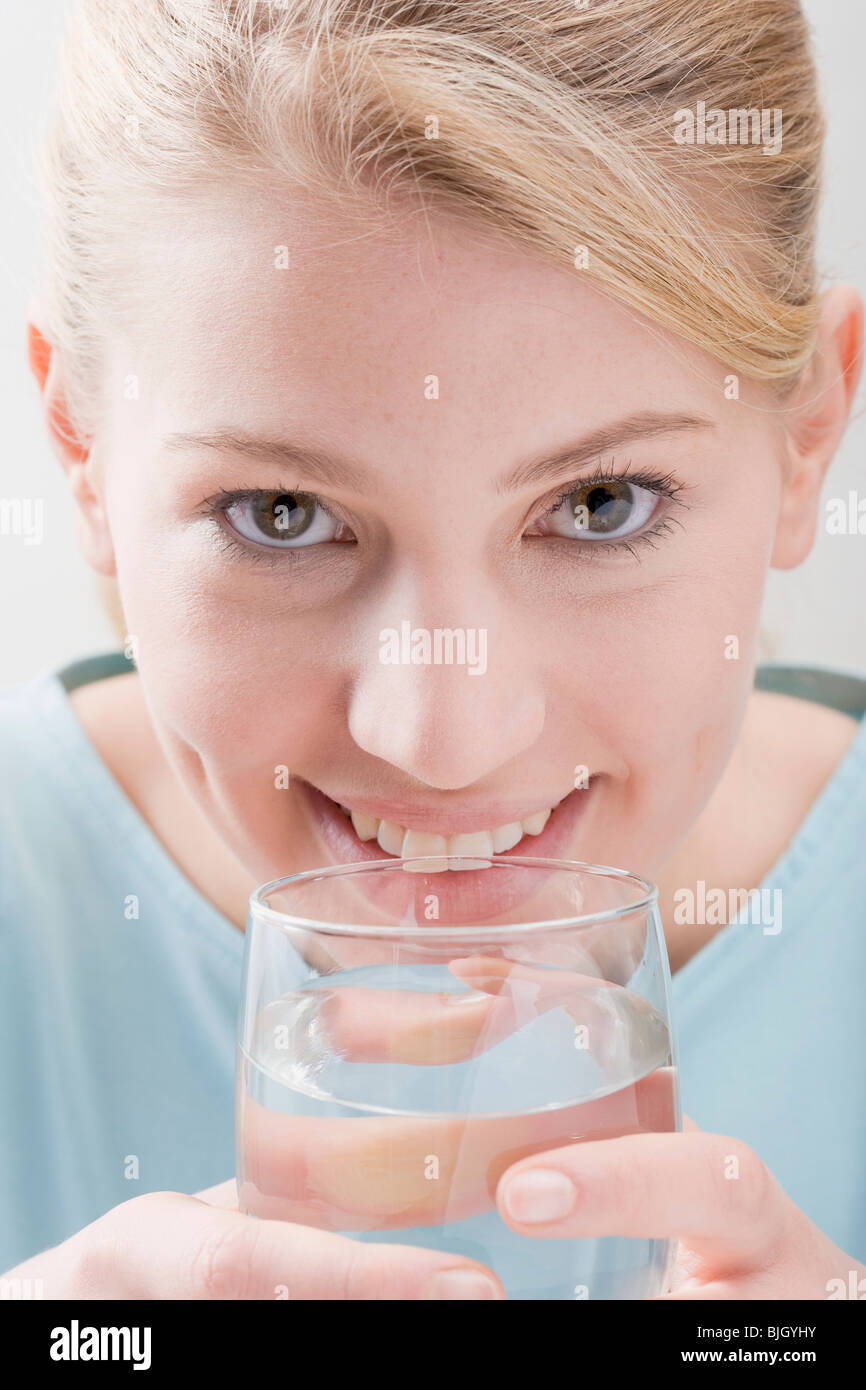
554,124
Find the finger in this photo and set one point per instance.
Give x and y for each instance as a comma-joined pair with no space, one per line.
718,1290
712,1192
618,1027
224,1195
425,1029
530,985
207,1253
412,1026
761,1286
690,1127
536,989
388,1172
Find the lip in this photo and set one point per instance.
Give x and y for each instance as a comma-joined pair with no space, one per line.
465,896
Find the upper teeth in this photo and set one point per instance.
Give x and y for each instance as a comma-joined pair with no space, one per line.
409,844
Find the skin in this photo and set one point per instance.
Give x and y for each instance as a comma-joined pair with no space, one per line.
615,659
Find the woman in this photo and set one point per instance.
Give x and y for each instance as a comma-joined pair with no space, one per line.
367,314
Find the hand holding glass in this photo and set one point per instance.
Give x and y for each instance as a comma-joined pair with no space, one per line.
407,1036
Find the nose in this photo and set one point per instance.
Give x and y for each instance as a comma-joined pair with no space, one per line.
447,706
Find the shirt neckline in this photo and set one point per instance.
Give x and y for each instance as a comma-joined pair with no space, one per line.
833,798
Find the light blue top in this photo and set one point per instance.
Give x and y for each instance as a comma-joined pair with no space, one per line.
117,1031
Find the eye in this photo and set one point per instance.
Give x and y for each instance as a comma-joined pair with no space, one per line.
599,509
283,520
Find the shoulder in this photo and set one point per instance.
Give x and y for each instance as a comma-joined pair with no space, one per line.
796,746
54,783
112,714
101,707
31,719
797,756
805,739
37,780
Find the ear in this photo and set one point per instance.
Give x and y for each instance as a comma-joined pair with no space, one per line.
818,416
74,452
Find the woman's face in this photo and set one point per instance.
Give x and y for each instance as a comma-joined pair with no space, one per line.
404,431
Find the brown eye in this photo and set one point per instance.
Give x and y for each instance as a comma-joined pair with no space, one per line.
602,507
283,516
284,520
600,510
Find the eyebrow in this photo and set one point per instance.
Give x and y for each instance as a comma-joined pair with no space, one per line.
328,468
339,471
646,424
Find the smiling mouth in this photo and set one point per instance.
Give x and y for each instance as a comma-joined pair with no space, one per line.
375,837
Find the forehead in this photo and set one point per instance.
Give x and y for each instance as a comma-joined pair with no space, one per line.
276,303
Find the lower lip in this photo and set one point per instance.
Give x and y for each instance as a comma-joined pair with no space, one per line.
465,896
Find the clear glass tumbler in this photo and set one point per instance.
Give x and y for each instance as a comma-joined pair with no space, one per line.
408,1032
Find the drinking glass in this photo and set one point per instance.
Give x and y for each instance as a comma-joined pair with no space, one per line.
408,1032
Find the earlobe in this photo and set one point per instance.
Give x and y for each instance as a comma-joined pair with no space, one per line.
74,453
818,417
795,534
94,540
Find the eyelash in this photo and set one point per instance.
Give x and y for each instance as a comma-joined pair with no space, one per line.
662,484
228,540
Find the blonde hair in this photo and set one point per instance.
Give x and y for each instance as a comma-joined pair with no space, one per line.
550,121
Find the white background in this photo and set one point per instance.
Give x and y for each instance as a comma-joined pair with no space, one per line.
49,608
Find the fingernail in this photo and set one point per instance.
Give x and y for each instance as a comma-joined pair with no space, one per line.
460,1283
541,1195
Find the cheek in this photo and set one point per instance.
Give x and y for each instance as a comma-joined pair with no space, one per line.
697,697
231,666
659,675
663,654
693,673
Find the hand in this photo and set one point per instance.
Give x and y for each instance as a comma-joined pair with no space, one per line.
740,1236
375,1173
167,1245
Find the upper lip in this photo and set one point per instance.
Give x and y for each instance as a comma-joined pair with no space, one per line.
440,819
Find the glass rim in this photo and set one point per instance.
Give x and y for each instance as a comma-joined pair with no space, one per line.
260,911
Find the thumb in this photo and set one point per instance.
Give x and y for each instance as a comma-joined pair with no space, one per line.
224,1195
